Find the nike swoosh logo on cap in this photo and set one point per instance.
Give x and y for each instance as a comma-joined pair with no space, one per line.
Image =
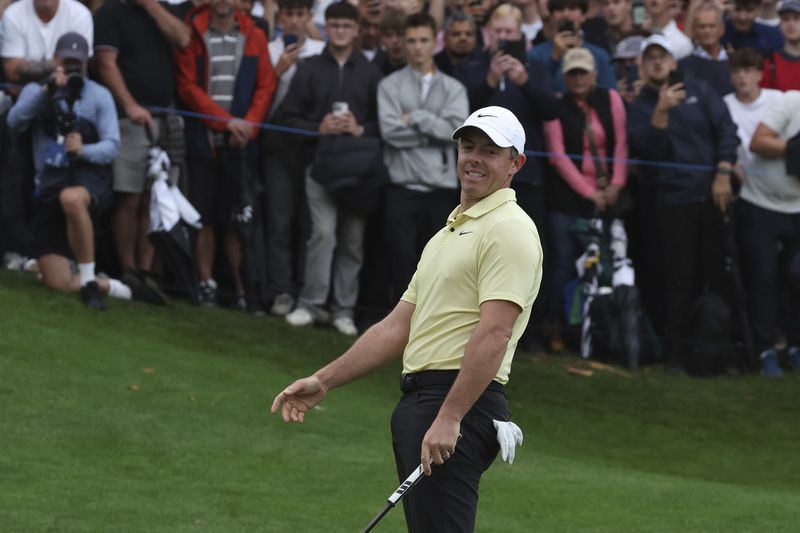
481,116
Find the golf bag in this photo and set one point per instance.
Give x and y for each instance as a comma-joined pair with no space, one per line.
710,327
172,223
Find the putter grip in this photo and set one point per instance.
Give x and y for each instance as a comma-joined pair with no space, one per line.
410,481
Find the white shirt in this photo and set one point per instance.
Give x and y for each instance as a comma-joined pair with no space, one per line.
311,47
26,36
767,184
425,86
746,117
681,44
531,30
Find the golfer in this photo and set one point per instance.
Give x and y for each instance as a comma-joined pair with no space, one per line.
456,327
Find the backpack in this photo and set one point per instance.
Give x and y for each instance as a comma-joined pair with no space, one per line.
710,329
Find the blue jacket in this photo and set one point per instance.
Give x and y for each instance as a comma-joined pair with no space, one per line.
95,106
700,131
605,71
763,37
532,103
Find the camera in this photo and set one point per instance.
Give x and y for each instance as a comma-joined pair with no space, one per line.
64,99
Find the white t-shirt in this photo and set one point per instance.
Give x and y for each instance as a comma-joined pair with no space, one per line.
746,117
681,44
767,184
26,36
311,47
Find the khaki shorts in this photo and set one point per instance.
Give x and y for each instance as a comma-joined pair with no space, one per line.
130,166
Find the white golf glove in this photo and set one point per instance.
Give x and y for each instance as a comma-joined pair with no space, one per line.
509,435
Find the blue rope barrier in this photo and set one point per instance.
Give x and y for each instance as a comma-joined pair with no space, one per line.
691,167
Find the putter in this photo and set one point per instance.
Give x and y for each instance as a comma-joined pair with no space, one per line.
396,496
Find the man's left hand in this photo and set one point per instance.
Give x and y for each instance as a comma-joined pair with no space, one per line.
439,443
721,191
73,143
350,125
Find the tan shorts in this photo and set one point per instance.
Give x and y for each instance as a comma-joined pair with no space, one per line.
130,166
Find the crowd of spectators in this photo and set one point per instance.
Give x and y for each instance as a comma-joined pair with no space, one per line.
344,110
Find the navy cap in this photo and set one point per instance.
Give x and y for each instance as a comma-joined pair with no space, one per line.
789,5
72,46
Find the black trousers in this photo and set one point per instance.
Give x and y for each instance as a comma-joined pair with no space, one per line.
691,236
411,218
447,500
761,231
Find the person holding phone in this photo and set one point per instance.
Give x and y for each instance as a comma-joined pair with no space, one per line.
568,16
683,122
284,177
495,77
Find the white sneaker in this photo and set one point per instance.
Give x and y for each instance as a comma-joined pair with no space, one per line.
300,317
345,326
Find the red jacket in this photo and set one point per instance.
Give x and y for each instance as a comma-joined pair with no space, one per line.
255,79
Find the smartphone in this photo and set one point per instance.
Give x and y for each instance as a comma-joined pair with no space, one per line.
675,76
340,108
639,15
566,25
515,49
631,75
288,39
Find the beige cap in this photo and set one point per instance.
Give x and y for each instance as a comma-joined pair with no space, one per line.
578,58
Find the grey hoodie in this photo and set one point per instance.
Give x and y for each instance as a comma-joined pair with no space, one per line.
421,154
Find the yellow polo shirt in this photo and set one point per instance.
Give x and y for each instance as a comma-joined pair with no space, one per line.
491,251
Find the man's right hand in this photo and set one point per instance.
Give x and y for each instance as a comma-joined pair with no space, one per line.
241,132
287,59
299,397
497,68
59,77
670,97
563,41
330,125
139,115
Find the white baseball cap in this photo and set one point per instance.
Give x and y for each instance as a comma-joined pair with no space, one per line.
500,124
658,40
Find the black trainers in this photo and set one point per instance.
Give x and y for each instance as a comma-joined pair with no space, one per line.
144,289
92,297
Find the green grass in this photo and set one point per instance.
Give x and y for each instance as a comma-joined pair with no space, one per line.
151,419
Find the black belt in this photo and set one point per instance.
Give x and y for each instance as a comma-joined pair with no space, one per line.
437,378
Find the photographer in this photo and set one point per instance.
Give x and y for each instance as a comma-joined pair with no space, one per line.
75,137
568,16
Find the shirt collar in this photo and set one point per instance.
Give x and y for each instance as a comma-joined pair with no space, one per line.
490,203
699,51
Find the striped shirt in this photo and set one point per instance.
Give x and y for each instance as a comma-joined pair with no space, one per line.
222,51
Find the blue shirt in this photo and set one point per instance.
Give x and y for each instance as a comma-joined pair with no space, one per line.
602,61
95,106
763,37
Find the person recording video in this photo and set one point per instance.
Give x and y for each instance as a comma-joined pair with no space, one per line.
74,133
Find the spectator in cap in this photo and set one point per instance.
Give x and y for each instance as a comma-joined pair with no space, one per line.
709,60
75,137
568,16
592,123
30,30
684,122
456,329
782,68
743,31
662,20
768,209
133,48
460,42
